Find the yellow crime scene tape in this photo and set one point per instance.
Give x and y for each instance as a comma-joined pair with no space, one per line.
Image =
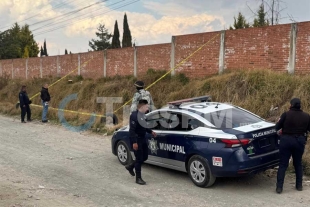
70,111
93,114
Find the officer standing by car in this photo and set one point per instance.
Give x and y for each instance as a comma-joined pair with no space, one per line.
24,104
295,125
137,131
140,94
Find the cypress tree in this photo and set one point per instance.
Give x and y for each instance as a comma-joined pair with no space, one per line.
126,34
42,52
66,52
45,50
115,40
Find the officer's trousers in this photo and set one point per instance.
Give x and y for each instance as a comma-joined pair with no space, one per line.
25,110
141,156
294,146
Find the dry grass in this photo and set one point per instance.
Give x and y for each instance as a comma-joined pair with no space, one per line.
254,90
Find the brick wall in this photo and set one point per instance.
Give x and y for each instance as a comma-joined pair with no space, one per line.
153,56
49,66
303,48
34,68
271,47
265,48
19,68
6,67
120,62
67,64
205,61
91,64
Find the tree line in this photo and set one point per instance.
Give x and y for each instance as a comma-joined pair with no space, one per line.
267,14
103,41
19,42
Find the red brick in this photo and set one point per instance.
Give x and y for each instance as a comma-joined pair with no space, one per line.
156,57
120,61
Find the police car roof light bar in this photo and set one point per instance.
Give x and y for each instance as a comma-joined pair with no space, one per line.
195,99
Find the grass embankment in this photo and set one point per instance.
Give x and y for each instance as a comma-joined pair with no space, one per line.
256,91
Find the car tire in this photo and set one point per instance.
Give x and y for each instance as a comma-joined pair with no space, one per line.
123,153
200,172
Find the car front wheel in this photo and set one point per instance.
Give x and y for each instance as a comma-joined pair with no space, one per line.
123,153
200,172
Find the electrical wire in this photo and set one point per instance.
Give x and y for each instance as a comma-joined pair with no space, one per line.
53,29
38,14
50,24
56,28
70,13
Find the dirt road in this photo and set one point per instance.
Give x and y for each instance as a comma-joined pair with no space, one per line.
46,165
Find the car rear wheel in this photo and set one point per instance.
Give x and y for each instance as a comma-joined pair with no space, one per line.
123,153
200,172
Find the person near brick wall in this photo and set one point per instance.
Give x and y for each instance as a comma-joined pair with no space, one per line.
24,104
45,98
141,94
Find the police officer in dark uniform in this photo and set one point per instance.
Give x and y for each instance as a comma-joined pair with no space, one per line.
137,132
295,125
24,104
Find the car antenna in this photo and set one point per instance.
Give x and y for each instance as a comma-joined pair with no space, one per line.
217,105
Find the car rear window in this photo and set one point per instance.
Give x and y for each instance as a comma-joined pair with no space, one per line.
231,118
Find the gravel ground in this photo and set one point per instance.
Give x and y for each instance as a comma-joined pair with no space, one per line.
47,165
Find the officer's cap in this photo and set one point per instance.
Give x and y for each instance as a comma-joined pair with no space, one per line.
143,102
295,103
139,84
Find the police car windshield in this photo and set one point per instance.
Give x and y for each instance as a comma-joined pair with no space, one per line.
231,118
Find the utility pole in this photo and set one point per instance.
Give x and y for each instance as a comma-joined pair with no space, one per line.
272,12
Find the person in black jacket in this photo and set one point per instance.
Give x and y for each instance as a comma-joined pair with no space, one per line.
137,131
295,125
24,104
45,98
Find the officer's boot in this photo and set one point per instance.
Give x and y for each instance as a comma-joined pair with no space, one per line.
130,168
139,179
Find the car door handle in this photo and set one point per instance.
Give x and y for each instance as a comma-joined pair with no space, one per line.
189,136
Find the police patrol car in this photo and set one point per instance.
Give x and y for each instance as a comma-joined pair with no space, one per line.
205,139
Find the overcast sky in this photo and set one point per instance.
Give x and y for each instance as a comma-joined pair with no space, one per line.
150,21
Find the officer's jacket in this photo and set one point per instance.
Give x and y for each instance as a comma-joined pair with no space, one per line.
23,98
294,122
139,95
138,127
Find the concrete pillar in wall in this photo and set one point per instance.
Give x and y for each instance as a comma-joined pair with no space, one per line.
27,68
135,62
1,69
222,53
105,63
41,70
172,56
58,66
292,57
12,70
79,64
